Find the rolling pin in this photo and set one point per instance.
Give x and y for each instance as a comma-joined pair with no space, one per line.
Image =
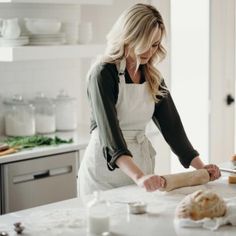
185,179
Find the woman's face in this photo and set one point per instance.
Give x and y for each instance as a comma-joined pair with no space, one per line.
146,56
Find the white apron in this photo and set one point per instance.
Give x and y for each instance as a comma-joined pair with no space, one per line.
135,107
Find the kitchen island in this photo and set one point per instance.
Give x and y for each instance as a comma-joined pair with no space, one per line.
69,217
35,176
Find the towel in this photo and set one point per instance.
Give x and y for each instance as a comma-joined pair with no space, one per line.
215,223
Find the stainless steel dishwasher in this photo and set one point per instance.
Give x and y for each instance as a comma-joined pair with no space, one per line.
38,181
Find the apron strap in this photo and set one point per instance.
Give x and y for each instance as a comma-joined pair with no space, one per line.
121,70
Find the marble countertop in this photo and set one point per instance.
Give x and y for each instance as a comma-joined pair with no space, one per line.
69,217
80,141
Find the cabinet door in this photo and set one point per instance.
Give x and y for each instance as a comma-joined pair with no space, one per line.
39,181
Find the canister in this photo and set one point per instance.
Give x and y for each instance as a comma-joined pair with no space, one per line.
66,112
45,117
19,117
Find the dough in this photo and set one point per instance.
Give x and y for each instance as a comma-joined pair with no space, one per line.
185,179
201,204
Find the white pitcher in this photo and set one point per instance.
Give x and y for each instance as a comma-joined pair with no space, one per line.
10,29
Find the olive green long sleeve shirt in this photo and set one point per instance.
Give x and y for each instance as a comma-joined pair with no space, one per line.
103,90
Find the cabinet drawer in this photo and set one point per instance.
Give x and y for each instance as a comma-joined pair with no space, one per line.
39,181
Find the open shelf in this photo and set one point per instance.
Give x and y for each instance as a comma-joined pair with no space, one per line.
24,53
87,2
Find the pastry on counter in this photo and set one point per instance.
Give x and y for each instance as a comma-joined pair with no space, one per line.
201,204
233,159
232,179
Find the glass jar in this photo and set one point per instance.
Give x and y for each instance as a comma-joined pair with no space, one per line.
66,113
45,118
19,117
98,216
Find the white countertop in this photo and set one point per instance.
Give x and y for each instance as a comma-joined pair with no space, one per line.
80,141
68,217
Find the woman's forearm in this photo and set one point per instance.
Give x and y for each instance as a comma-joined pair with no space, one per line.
127,165
197,163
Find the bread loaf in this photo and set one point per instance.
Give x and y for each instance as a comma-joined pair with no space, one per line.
201,204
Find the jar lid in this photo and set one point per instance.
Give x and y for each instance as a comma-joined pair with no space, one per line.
16,100
63,96
42,99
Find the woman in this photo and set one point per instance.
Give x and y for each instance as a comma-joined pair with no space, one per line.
125,92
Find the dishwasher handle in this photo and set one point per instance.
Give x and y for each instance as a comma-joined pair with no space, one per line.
43,174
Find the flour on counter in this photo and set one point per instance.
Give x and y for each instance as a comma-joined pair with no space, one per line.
40,222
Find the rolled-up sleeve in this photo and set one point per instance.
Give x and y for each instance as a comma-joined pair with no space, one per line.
102,88
168,121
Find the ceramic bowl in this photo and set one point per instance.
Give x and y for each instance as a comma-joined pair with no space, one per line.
42,26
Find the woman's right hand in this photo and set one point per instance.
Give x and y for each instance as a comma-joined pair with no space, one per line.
151,182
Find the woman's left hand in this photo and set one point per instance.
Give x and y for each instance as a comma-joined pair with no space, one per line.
213,171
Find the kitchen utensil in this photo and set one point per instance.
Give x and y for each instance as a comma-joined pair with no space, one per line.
42,26
47,39
229,167
229,170
10,28
85,33
137,207
22,40
185,179
134,207
71,31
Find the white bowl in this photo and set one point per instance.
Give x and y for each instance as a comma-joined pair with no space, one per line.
42,26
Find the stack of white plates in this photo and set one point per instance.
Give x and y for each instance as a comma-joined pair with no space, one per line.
22,40
47,39
71,31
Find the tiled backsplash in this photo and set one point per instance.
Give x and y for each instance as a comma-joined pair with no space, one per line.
49,77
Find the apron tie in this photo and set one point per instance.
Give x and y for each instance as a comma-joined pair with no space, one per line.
140,138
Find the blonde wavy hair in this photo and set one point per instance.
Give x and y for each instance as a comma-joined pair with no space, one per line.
135,29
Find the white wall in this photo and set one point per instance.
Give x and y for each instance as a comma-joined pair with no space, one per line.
222,73
27,78
190,71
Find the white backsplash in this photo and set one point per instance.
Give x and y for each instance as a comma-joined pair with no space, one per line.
28,78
